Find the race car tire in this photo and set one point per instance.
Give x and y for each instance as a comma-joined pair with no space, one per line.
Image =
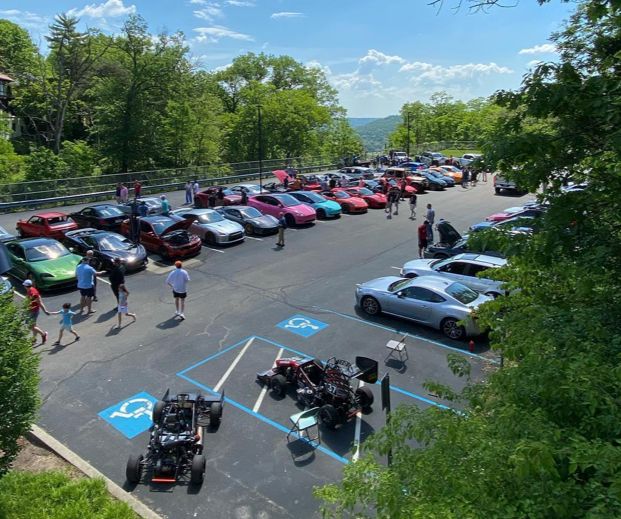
329,416
133,470
364,397
197,471
215,414
279,385
157,411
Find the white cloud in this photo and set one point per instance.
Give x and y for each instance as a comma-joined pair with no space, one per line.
218,32
286,14
315,64
209,12
375,57
109,9
239,3
533,63
440,74
26,19
198,2
545,48
357,81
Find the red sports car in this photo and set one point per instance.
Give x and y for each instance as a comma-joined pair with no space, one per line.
348,203
374,200
230,197
51,225
166,235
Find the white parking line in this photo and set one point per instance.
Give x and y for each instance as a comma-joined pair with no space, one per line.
232,366
104,280
18,294
356,454
253,238
215,250
265,388
396,268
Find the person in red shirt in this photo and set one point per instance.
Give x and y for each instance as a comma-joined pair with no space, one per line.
422,237
35,305
137,188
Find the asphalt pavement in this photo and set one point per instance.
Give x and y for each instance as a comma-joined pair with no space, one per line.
241,309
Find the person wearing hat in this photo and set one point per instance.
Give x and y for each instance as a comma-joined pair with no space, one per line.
178,280
35,305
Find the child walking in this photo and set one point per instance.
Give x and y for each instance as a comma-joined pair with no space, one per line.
123,309
66,323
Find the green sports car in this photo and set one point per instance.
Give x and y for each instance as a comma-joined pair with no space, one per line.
46,261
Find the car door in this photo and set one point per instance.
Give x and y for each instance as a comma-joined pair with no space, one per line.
18,260
416,303
149,239
234,215
476,283
33,227
456,271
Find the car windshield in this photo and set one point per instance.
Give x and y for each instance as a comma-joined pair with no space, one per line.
287,200
210,217
58,220
398,285
251,188
461,292
46,251
161,225
251,212
108,211
114,242
341,194
440,263
314,197
365,191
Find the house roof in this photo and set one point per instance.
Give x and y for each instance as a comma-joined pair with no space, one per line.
4,77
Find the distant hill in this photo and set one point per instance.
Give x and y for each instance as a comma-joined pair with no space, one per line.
374,134
355,122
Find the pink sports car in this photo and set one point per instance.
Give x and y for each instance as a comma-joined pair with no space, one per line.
295,212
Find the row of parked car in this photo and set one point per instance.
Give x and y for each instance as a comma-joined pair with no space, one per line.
444,289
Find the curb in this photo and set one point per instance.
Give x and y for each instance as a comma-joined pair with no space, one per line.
115,490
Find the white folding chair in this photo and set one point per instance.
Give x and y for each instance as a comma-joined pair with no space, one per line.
303,423
397,350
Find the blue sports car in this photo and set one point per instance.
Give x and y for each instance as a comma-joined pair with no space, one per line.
324,208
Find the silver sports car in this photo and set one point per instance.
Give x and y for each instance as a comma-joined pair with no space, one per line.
253,220
212,227
442,304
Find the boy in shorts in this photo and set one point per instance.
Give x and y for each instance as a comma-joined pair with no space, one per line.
66,323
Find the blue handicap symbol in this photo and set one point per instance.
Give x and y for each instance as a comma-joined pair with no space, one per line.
302,325
131,416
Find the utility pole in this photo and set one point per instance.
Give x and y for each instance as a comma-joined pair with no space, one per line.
260,130
407,118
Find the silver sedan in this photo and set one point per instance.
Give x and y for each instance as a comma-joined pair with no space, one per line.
442,304
212,227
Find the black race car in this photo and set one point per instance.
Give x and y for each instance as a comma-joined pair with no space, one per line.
451,243
177,439
327,386
101,216
106,246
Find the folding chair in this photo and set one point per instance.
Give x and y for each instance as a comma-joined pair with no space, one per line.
302,424
397,350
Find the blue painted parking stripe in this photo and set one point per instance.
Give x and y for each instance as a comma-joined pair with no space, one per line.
414,336
283,346
265,419
215,355
417,397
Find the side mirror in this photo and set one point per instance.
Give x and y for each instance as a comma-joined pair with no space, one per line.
71,249
400,294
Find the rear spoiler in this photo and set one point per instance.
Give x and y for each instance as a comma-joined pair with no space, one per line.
367,370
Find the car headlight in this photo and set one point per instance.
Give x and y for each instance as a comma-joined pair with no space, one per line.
131,259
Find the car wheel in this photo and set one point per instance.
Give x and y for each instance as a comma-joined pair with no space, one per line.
197,472
290,220
215,414
497,190
370,305
249,228
329,416
198,204
163,253
133,469
364,397
345,208
321,214
452,329
209,238
158,408
279,385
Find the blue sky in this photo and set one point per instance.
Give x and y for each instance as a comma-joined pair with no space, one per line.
378,54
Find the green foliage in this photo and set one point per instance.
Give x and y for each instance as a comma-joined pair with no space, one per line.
19,380
43,164
80,159
11,163
53,495
18,55
375,133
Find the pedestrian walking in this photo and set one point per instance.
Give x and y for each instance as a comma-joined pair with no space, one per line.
244,197
473,177
211,200
34,305
66,323
413,199
117,193
188,193
86,284
393,200
464,177
484,174
116,277
195,188
124,194
332,183
422,238
403,186
137,189
282,225
165,205
123,308
143,209
220,196
178,280
430,217
93,262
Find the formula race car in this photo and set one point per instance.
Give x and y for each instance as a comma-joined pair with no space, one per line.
176,444
326,386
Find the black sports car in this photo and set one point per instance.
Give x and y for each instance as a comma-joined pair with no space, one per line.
451,243
106,246
102,216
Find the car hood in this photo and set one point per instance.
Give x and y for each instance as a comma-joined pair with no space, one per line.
356,201
498,216
136,250
179,225
225,226
267,220
59,267
300,209
481,226
419,264
380,283
328,204
448,233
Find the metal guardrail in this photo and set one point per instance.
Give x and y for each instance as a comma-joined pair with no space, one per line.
146,189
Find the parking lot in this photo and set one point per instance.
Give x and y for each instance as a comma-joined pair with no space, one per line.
248,305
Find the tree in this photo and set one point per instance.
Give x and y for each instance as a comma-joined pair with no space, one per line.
18,55
340,140
19,380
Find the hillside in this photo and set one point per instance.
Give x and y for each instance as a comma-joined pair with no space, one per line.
356,122
375,133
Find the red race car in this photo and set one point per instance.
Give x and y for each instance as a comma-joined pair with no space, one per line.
229,197
167,236
348,203
51,225
374,200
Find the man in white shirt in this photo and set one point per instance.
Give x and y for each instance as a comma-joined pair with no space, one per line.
178,281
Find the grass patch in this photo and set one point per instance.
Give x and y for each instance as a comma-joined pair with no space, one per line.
54,495
455,152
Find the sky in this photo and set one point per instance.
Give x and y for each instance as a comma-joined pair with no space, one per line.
378,54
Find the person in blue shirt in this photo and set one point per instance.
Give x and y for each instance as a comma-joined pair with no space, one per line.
165,205
66,322
143,210
86,284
